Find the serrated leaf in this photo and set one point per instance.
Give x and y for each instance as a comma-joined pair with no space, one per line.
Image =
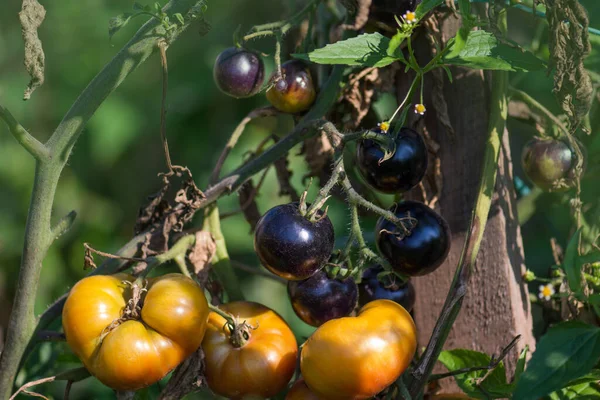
368,50
116,23
426,6
482,50
571,266
495,384
566,352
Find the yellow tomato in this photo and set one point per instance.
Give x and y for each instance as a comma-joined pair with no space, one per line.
128,354
355,358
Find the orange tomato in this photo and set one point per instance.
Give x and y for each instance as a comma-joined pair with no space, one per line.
299,391
355,358
260,367
136,352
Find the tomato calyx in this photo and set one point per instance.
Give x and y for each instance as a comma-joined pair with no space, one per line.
239,333
313,213
133,309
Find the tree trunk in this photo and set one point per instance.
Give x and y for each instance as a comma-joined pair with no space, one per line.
496,307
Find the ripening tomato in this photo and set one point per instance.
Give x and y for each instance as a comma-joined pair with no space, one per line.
258,361
355,358
299,391
128,353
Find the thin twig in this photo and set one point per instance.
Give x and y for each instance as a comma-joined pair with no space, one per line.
162,47
256,271
235,136
494,362
250,198
90,249
530,101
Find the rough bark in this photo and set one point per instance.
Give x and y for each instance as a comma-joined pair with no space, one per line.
496,307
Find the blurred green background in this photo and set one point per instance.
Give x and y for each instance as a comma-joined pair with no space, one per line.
116,161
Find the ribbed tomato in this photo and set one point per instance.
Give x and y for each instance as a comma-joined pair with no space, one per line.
126,347
355,358
256,358
299,391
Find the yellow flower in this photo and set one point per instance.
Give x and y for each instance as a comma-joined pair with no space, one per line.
410,17
420,109
384,126
546,291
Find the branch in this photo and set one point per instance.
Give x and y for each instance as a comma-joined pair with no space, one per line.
136,51
235,136
29,143
530,101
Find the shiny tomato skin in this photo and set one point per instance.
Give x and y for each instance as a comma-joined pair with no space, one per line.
295,91
136,353
355,358
299,391
260,368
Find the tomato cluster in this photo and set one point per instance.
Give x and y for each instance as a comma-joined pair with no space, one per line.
130,332
240,73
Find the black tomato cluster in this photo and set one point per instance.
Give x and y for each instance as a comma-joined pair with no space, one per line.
296,248
550,163
240,73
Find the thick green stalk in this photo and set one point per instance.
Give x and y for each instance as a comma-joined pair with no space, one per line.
51,159
221,264
37,241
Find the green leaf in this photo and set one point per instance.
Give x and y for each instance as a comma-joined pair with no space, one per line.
369,50
571,266
482,50
448,72
117,23
426,6
179,18
584,391
566,352
140,7
520,365
494,385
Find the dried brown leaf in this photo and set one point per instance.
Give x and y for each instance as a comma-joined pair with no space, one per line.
360,9
247,200
31,16
284,175
202,252
187,378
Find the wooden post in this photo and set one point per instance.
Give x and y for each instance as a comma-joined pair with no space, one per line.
496,307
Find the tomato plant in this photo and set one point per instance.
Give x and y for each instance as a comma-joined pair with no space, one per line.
128,342
405,116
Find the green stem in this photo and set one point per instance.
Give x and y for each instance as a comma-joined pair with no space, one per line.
51,159
29,143
226,316
458,289
530,101
220,261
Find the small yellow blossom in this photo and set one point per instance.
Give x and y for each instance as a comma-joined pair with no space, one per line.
546,291
420,109
384,126
410,17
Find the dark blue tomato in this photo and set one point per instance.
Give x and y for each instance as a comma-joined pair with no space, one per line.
400,173
319,298
424,249
291,246
389,288
238,72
